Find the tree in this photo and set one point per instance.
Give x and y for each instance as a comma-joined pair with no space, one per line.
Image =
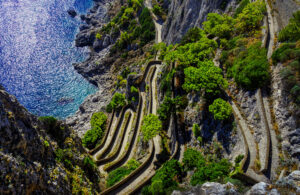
292,31
116,102
207,77
91,137
192,35
251,17
251,68
98,120
220,109
219,25
151,126
192,158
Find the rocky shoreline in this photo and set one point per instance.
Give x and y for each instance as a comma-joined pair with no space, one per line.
95,68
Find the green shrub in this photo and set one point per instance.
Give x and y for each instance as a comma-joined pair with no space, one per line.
191,159
151,126
292,31
214,171
251,69
157,10
165,178
118,174
220,109
241,7
169,106
207,77
147,27
46,144
98,119
219,25
251,16
196,130
117,102
133,89
91,137
49,121
192,35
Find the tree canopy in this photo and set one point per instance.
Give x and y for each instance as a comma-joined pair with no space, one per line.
151,126
220,109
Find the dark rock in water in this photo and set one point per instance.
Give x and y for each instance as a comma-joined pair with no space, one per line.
65,100
83,27
84,38
82,17
72,12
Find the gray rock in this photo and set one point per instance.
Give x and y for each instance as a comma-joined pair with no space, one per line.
85,38
184,15
98,44
209,188
83,27
260,188
106,41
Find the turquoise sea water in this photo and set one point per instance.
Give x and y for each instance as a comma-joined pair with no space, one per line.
37,50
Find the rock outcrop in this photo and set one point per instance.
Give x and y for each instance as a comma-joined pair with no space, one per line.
184,15
27,151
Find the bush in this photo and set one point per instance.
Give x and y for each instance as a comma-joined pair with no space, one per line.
117,102
191,159
251,17
219,25
241,7
213,171
196,130
292,31
151,126
207,77
91,137
193,35
251,69
118,174
98,120
49,121
157,10
165,178
220,109
147,27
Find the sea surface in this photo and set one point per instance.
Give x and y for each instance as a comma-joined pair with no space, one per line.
37,50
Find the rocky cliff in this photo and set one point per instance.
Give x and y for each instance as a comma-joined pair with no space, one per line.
28,151
184,15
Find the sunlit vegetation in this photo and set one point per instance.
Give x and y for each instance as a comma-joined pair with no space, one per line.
220,109
289,54
166,179
118,174
151,126
134,25
117,102
207,168
170,105
292,31
94,135
206,77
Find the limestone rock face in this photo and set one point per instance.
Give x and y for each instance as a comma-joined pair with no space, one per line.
210,188
28,161
184,15
25,161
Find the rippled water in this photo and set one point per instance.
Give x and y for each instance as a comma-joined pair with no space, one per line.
36,54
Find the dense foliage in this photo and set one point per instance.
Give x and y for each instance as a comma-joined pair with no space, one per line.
170,105
118,174
94,135
219,26
117,102
151,126
250,18
192,35
292,31
220,109
208,168
165,179
207,77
